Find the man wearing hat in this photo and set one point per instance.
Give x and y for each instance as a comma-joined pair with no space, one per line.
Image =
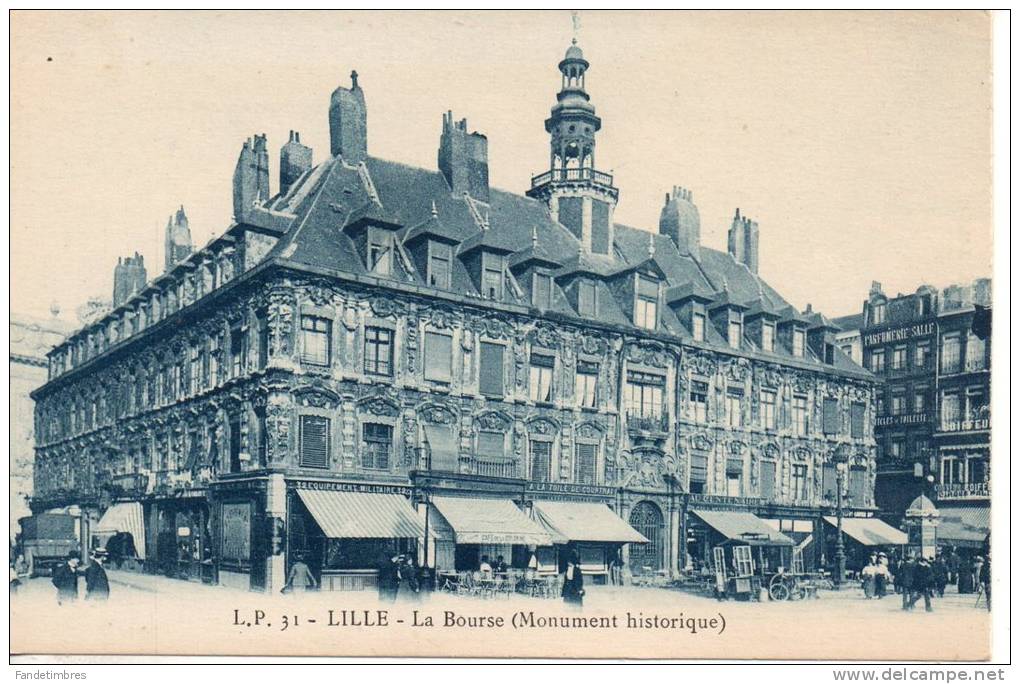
97,586
924,579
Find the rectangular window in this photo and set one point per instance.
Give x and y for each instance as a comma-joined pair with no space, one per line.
878,313
380,253
830,416
898,405
195,369
767,485
490,369
878,360
952,470
584,464
491,445
975,353
541,291
645,394
699,400
212,376
438,357
799,474
768,409
896,448
314,442
315,340
768,337
922,352
541,461
439,265
743,560
857,420
263,330
733,487
238,350
646,306
800,415
950,408
541,376
858,485
920,399
698,327
977,470
798,343
376,446
899,358
586,384
735,332
829,482
234,424
951,353
379,351
734,414
492,283
587,300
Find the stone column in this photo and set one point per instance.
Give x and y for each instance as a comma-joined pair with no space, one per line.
276,507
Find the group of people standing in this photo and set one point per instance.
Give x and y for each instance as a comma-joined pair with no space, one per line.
876,576
401,578
65,579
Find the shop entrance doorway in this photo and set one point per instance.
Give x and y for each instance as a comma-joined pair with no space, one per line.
646,518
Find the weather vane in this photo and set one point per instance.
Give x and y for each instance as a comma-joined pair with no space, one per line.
575,18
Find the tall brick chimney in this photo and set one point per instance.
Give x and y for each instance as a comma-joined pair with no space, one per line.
464,159
680,220
743,241
295,159
177,239
251,176
348,123
129,278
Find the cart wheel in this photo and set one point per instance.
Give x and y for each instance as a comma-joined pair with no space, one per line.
796,592
779,592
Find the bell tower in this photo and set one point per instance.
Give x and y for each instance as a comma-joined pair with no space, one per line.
579,196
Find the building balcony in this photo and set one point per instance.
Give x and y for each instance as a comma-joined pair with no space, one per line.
582,176
962,490
495,468
130,484
648,425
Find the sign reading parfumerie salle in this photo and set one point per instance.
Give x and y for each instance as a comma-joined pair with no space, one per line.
898,334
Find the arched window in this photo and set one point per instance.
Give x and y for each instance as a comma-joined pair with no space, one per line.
646,518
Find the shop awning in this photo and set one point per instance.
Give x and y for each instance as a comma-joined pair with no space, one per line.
963,525
870,531
490,521
585,522
741,526
125,517
362,515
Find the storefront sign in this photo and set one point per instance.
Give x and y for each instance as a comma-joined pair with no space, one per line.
725,500
500,538
568,488
906,419
899,334
354,487
236,531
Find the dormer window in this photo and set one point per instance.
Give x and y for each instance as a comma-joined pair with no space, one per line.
798,343
768,337
698,326
878,313
735,330
492,277
646,304
541,290
380,253
587,298
440,256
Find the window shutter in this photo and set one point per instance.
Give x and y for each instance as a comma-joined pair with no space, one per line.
830,416
734,465
857,420
442,444
438,357
584,468
858,477
699,467
314,441
829,482
542,295
768,480
490,359
491,445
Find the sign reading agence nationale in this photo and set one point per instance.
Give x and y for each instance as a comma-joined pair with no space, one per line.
898,334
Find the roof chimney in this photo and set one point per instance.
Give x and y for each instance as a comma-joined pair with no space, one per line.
129,278
295,159
348,123
464,159
680,220
742,241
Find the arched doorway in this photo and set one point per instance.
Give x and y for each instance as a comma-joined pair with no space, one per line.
646,518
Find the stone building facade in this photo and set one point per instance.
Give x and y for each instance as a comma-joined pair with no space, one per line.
379,335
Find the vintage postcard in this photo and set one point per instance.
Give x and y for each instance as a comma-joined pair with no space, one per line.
632,335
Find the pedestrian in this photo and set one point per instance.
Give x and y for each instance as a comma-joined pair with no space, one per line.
573,582
941,575
389,579
614,569
985,578
97,585
953,565
300,578
65,579
868,576
15,580
407,572
923,584
881,575
485,567
906,580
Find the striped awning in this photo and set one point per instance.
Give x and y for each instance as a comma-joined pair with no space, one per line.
870,531
125,517
490,521
963,525
586,522
362,515
742,526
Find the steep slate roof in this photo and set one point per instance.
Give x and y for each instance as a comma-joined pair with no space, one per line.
847,323
335,193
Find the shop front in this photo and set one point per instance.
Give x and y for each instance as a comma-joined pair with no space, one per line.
862,537
344,532
121,533
177,539
709,528
592,529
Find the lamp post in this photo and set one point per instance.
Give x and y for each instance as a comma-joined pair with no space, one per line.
840,458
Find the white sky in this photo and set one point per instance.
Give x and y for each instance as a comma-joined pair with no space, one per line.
860,142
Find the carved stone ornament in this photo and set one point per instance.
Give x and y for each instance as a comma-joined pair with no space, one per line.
647,468
441,318
702,364
494,421
802,454
738,369
596,346
737,448
648,354
379,406
542,426
770,451
589,431
437,414
497,327
701,443
802,382
546,336
385,307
